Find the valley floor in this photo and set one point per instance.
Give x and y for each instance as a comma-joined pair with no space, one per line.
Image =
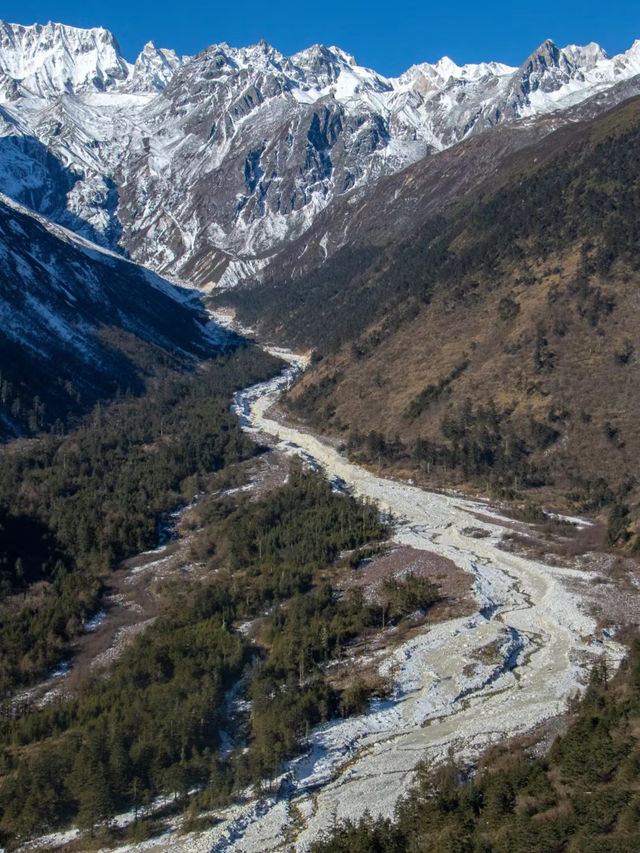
458,686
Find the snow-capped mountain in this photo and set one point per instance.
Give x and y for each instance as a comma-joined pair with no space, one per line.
153,69
54,59
205,167
47,61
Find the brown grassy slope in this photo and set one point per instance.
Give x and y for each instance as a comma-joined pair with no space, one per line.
587,386
543,302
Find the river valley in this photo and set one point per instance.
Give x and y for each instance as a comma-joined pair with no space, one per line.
458,686
447,697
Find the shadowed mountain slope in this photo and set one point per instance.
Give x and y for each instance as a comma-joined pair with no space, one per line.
80,324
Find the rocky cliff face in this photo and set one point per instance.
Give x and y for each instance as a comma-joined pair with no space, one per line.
207,167
48,61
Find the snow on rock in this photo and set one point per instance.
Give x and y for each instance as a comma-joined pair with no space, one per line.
50,60
212,164
153,69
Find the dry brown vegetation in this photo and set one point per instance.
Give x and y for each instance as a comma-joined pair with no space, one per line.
587,388
541,330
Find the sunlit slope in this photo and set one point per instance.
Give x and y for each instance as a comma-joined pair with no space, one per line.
497,342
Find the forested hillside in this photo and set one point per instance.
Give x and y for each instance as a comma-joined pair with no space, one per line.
154,724
497,343
84,501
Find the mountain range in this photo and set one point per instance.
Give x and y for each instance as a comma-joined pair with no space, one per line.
459,240
205,168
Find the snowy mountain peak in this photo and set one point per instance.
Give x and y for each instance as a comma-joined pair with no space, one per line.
207,166
320,54
547,55
548,69
447,68
153,68
586,56
50,60
574,59
630,60
343,56
322,67
427,77
569,73
260,56
53,59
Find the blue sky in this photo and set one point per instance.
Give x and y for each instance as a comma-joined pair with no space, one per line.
388,36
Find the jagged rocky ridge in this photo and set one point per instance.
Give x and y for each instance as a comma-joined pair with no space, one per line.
207,167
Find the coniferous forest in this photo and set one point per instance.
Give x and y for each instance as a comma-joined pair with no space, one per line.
152,725
90,498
